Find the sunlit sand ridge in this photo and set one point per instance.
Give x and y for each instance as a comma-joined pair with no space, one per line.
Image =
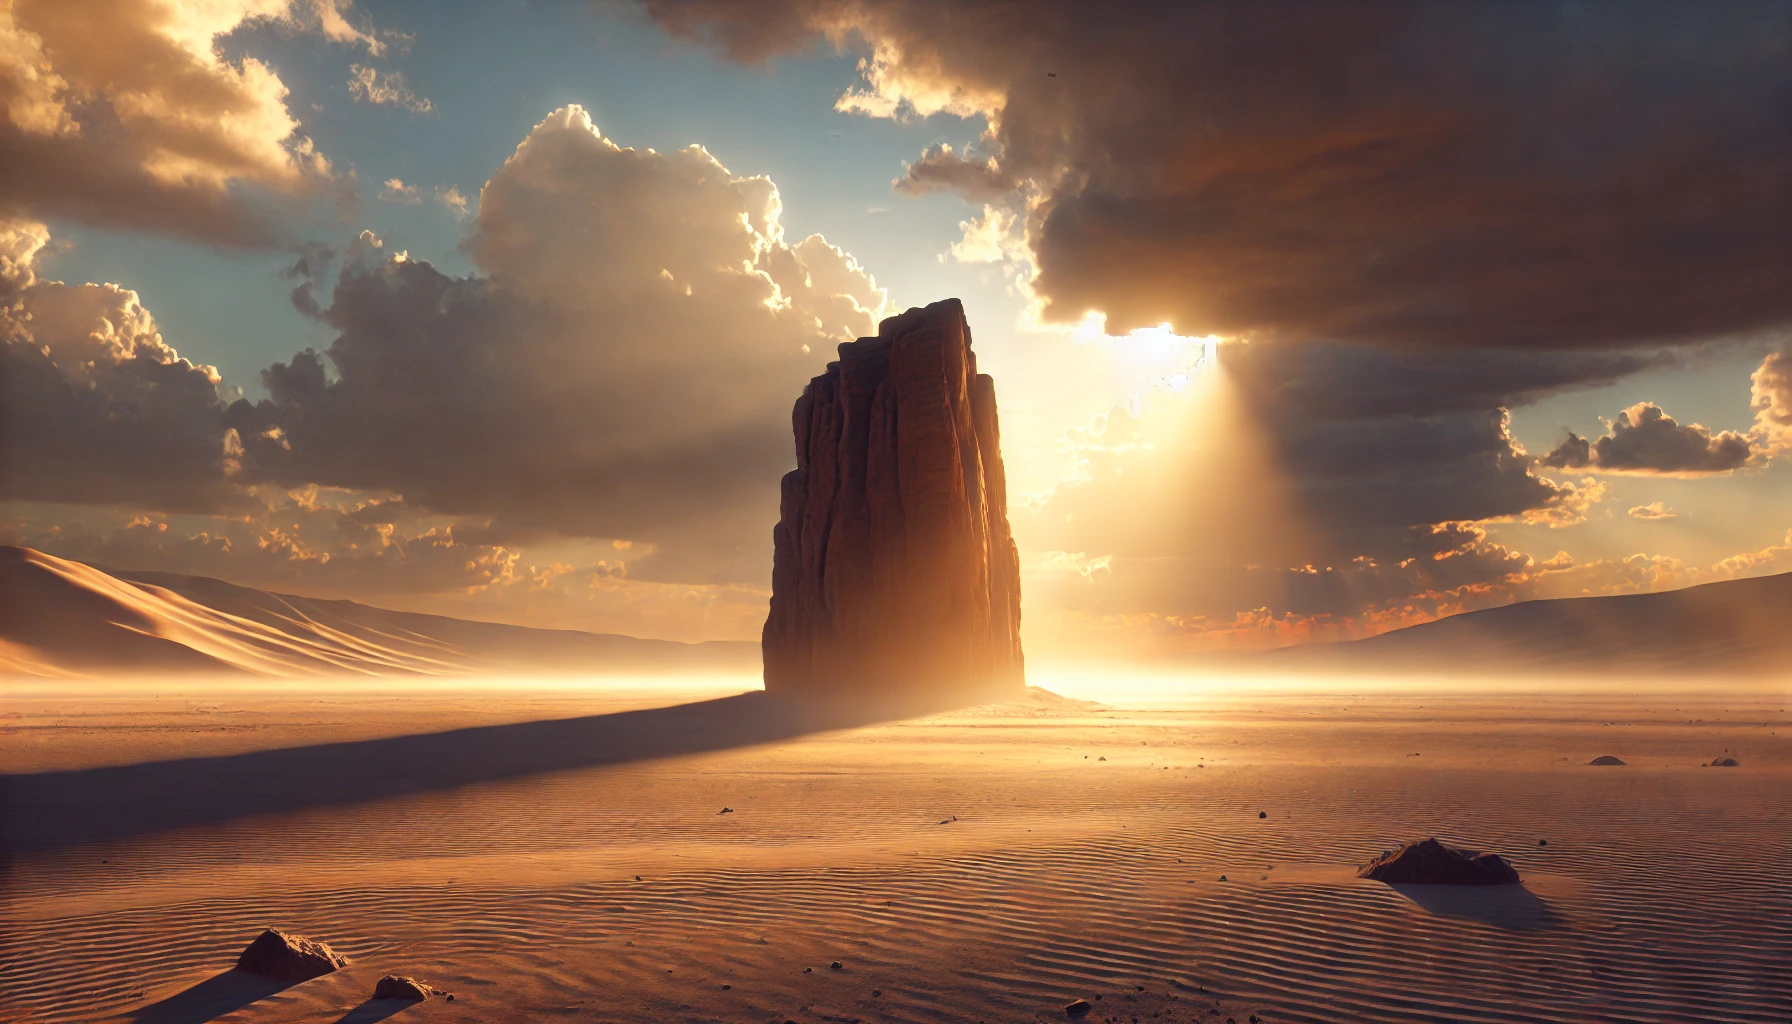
991,864
65,618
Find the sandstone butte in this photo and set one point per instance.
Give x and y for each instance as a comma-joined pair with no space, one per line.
894,571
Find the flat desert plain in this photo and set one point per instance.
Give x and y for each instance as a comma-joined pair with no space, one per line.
564,854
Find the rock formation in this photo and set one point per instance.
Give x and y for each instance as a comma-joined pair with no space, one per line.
893,569
1432,863
275,954
1606,761
398,986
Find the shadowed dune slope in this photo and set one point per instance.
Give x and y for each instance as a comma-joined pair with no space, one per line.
59,617
1737,626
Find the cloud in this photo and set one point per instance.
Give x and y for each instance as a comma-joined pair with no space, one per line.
622,366
1644,439
134,120
1348,486
385,89
1771,398
940,168
1419,174
451,197
619,370
394,190
1653,510
988,239
332,21
94,405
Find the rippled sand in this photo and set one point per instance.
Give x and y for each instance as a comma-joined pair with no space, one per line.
985,865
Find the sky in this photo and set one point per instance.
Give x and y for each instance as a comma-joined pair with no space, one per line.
1306,322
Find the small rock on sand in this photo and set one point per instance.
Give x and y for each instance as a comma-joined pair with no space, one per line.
1262,814
1076,1008
275,954
1725,762
1432,863
836,965
1605,761
397,986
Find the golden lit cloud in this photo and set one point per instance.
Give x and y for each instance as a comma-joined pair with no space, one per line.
134,119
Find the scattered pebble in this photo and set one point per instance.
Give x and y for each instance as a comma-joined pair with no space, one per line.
1262,814
1542,842
1077,1008
836,965
1223,878
726,810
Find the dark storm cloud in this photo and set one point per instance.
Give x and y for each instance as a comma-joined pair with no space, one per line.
1505,175
1644,439
1377,440
1327,380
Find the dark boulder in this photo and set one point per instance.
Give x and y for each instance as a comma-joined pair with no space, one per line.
397,986
1725,762
275,954
1605,761
1432,863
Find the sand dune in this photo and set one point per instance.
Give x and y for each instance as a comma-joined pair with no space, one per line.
1714,629
59,617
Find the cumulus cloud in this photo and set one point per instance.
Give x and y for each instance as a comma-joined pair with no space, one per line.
621,366
1653,510
1644,439
1386,172
1771,398
133,119
385,89
94,405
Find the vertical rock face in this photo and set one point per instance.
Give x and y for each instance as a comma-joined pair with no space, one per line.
894,569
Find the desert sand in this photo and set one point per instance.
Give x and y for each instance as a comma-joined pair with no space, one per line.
989,864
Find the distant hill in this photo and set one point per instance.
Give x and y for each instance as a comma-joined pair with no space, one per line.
1737,626
59,617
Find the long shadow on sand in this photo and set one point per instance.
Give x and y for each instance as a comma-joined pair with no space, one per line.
210,999
51,810
1512,907
376,1010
